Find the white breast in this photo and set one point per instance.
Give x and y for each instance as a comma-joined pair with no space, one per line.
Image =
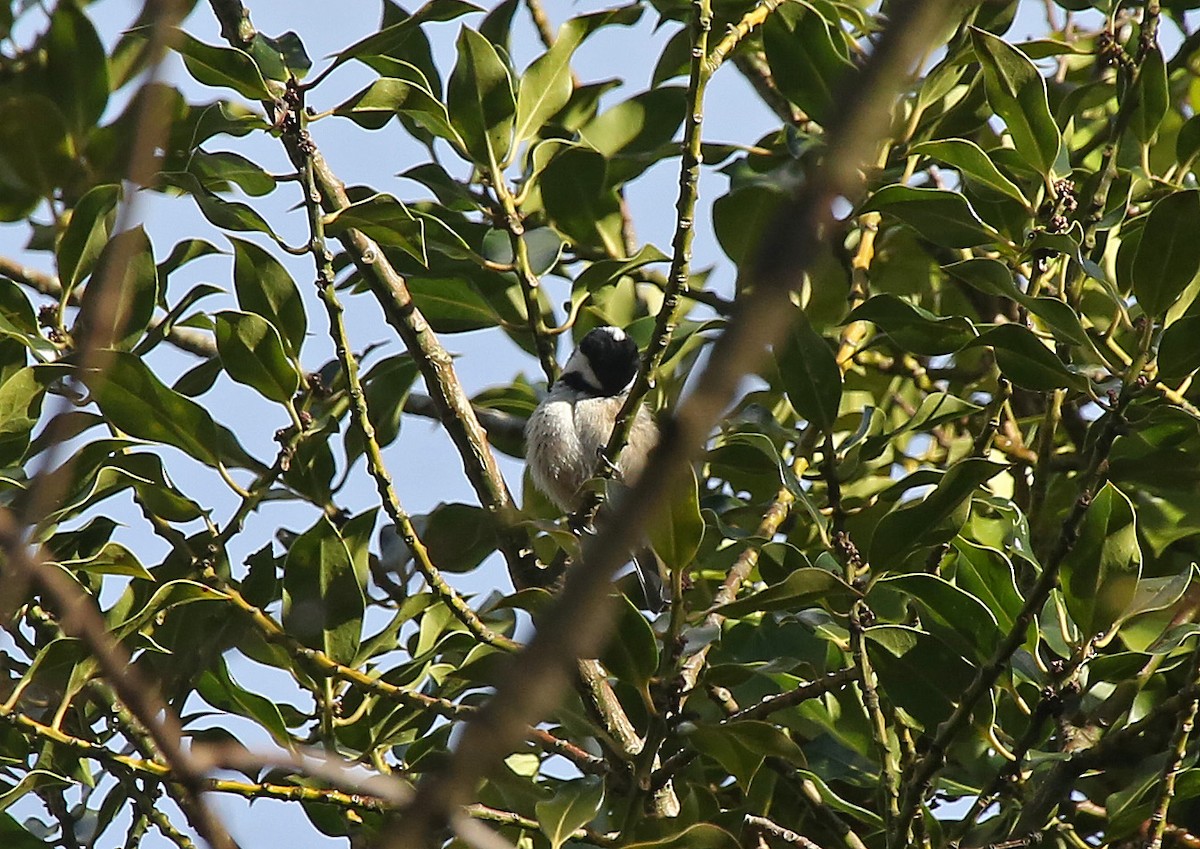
564,438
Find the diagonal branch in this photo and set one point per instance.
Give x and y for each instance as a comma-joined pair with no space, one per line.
578,623
434,362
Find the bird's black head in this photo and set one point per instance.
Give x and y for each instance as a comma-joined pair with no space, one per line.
605,363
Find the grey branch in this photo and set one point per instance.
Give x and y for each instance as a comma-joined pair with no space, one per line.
577,625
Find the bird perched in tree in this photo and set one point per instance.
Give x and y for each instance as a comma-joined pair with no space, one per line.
567,433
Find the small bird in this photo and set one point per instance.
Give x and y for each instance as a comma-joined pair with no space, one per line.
567,433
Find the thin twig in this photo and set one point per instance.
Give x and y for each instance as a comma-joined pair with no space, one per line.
577,623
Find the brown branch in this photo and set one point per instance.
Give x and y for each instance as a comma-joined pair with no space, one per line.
576,625
775,830
434,362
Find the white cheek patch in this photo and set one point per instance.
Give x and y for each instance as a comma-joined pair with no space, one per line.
579,364
615,332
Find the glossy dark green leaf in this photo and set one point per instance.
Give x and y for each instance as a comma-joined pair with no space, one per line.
264,287
323,601
632,653
994,278
988,575
925,522
36,151
1187,143
217,687
920,674
805,61
1179,349
393,36
959,619
607,271
943,217
227,215
676,531
222,67
384,219
480,100
578,201
638,125
542,244
913,328
112,559
20,407
741,747
1100,573
281,57
452,304
1026,361
573,806
1153,97
803,588
810,374
216,171
1168,254
127,280
405,92
973,163
76,68
253,354
130,395
1017,93
86,235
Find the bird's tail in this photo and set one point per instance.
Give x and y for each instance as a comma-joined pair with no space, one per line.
649,575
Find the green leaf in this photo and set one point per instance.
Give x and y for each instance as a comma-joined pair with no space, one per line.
112,559
699,835
1026,361
918,672
1168,254
134,400
805,62
1017,93
76,68
1100,573
741,747
573,806
605,272
632,654
810,373
384,219
1179,349
910,525
578,200
994,278
943,217
323,601
217,687
452,304
386,387
227,215
962,621
914,328
969,159
36,151
253,354
480,100
546,85
20,408
130,292
265,288
987,574
284,56
742,216
216,170
803,588
392,37
1153,97
676,531
404,92
86,235
223,67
